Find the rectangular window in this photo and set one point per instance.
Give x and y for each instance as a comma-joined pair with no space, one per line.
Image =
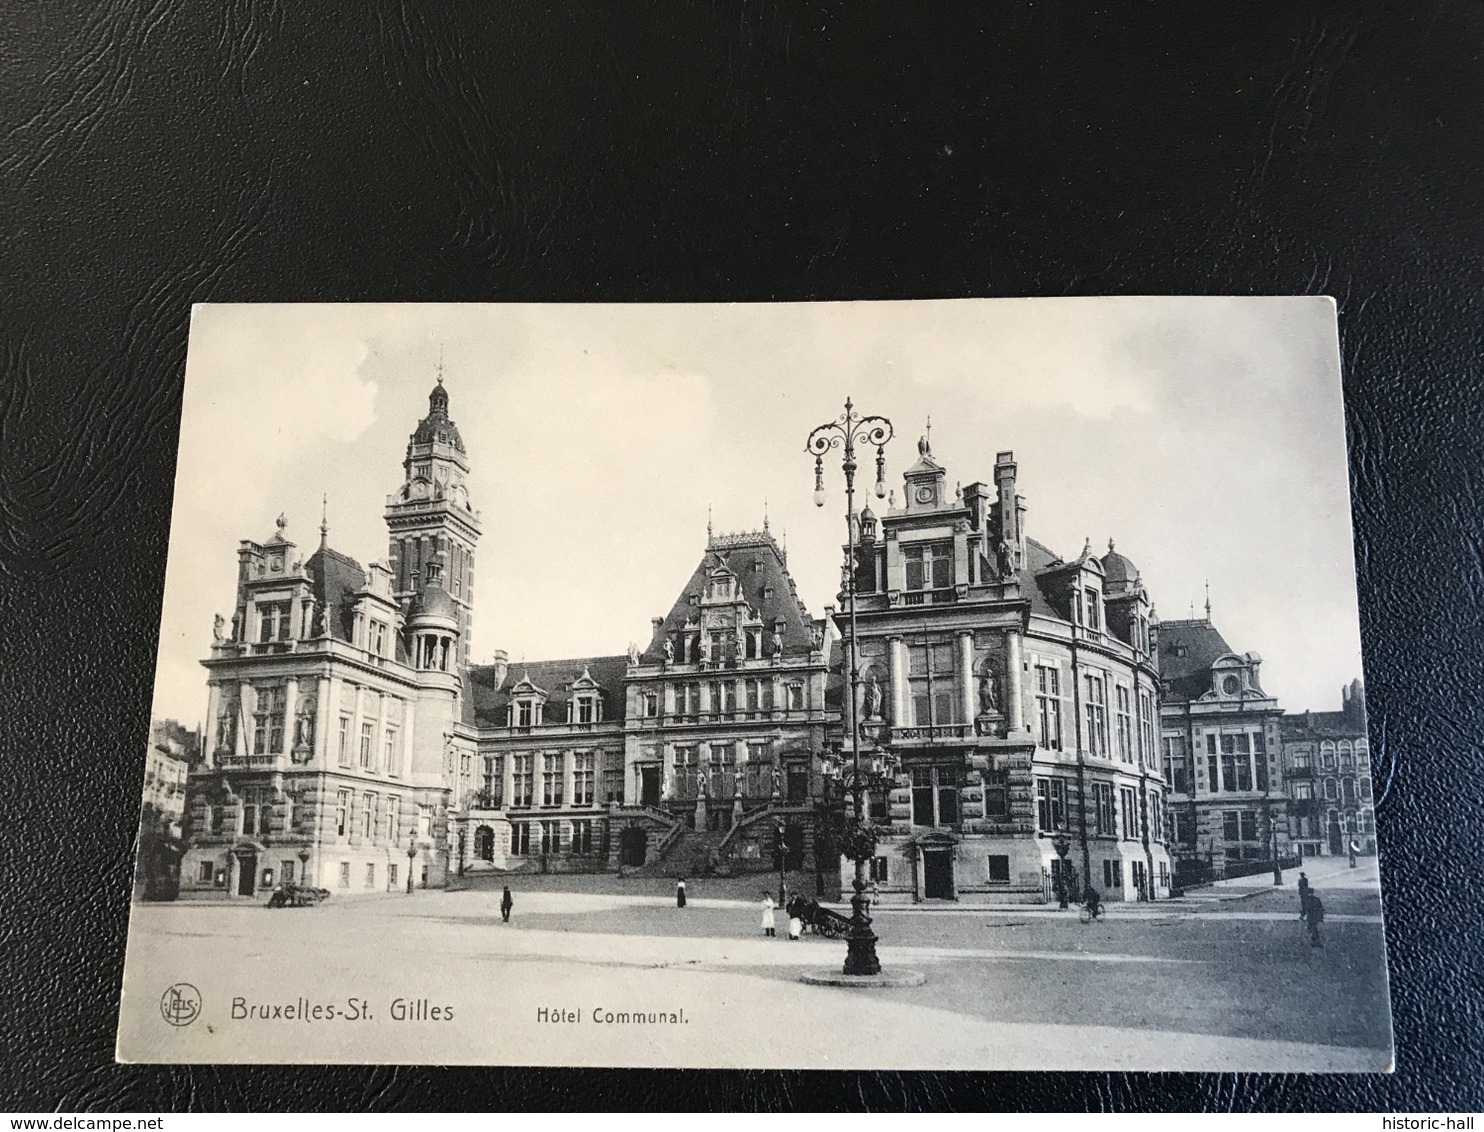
1112,874
1090,606
1102,797
878,870
371,876
1130,800
551,780
525,713
1051,804
551,837
268,721
204,876
368,817
1231,825
393,819
1213,762
1303,791
1146,729
795,696
922,795
1302,758
391,878
612,787
344,874
998,870
1124,728
584,778
582,838
522,779
754,695
273,621
343,748
520,839
1048,707
378,638
342,812
1096,691
587,710
929,567
366,732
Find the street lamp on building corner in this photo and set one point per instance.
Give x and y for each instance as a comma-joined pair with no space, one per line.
844,433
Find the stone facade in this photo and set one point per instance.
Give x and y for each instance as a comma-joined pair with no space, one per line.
334,749
1222,750
1011,697
1327,764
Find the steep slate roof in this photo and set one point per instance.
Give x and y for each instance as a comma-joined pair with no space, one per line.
488,703
1038,560
751,584
1189,676
337,579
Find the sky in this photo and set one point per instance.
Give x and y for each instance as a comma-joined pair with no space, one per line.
1205,435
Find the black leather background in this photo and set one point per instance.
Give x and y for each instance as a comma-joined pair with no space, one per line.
157,154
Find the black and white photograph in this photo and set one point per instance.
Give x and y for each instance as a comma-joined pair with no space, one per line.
958,684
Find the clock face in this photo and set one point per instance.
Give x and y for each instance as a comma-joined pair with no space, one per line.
1230,685
924,494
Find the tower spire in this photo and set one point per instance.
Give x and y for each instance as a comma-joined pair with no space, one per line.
324,521
440,363
765,514
1208,601
708,523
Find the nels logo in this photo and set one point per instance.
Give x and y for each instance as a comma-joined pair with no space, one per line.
180,1005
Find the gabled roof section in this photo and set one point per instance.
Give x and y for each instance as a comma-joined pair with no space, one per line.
1187,650
763,581
488,703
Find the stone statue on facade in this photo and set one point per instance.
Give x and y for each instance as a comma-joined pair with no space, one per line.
669,651
777,643
777,782
703,783
873,699
705,648
633,653
816,637
1007,558
989,700
218,627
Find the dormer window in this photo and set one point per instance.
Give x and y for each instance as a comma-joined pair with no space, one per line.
929,567
525,713
1092,609
586,709
273,621
377,642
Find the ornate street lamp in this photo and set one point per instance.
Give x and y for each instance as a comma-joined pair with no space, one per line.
304,866
411,857
845,432
1063,846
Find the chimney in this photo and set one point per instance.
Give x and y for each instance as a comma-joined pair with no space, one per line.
1004,479
501,665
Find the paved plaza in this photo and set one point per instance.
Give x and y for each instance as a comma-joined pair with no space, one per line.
1221,979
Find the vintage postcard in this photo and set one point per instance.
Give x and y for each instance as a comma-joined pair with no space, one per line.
911,685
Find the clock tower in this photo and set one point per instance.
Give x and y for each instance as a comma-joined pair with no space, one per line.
924,481
432,525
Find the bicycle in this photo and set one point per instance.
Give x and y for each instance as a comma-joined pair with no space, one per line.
1090,912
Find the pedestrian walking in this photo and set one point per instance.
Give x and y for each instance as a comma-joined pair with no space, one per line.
680,893
1354,849
1303,890
506,903
770,924
795,926
1314,916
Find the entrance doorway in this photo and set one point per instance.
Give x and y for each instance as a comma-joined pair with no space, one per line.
937,874
649,785
798,782
247,868
632,843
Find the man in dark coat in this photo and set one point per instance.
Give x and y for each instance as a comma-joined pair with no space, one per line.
680,893
1303,889
506,903
1314,915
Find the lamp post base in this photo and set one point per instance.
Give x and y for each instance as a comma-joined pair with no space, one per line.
897,977
860,955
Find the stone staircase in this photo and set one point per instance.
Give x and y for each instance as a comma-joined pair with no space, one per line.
689,855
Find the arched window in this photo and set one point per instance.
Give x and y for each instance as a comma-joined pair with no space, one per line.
1327,755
